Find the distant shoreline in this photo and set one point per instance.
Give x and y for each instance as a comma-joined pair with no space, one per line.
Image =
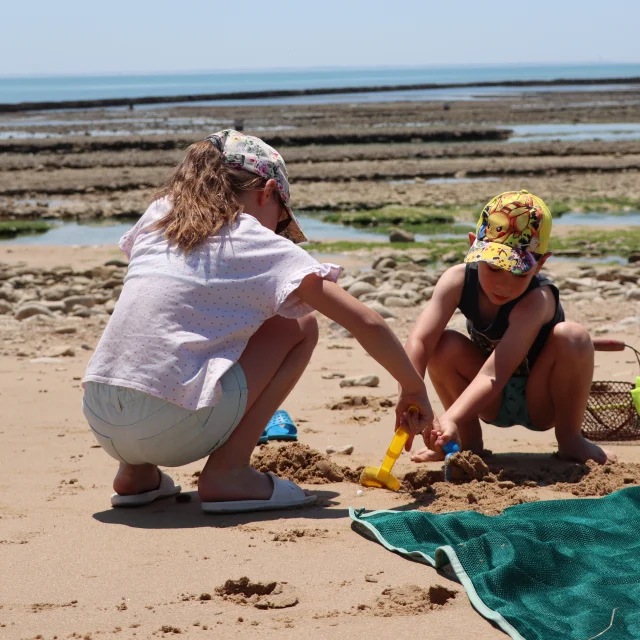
291,93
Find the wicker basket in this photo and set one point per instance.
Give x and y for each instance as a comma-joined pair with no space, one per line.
611,414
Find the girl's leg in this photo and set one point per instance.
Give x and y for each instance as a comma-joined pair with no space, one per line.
454,363
275,358
558,389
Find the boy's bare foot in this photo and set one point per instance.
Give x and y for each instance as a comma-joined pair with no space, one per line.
427,455
580,449
132,479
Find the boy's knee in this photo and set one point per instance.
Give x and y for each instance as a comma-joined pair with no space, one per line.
448,345
573,337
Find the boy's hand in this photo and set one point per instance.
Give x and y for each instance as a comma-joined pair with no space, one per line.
414,422
444,430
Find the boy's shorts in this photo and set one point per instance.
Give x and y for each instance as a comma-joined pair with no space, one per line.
136,428
514,410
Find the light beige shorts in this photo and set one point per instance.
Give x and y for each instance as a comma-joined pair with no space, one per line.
137,428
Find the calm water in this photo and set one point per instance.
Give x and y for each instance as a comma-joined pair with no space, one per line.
574,132
107,232
630,219
129,86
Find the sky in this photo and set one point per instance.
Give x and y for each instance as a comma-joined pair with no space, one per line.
69,37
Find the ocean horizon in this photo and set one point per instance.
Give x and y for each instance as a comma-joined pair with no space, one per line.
86,87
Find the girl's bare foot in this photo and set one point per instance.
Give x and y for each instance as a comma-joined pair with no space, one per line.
243,483
132,479
580,449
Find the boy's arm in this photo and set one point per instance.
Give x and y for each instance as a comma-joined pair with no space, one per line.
432,321
525,321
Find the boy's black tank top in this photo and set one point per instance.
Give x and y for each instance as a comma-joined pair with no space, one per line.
487,338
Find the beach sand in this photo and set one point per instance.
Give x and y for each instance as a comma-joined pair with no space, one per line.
74,567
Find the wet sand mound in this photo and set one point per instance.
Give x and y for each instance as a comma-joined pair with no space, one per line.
465,466
298,462
411,600
262,595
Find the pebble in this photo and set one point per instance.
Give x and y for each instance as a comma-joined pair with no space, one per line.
59,352
346,450
362,381
359,492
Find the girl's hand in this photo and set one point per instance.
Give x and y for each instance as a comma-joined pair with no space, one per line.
413,421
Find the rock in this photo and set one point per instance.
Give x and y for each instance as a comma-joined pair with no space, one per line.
633,294
634,257
63,330
450,257
358,289
81,312
81,301
404,275
57,292
395,301
112,283
9,294
369,278
399,235
346,450
110,306
362,381
346,282
332,376
55,306
381,309
59,352
5,307
32,309
385,264
116,263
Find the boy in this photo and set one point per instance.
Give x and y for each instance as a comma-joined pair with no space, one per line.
523,364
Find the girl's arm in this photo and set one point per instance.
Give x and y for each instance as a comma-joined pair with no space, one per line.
373,333
432,321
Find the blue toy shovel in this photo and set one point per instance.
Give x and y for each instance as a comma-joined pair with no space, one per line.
450,448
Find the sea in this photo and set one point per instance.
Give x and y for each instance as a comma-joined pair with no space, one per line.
56,88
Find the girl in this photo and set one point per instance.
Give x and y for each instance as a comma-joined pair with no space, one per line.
214,328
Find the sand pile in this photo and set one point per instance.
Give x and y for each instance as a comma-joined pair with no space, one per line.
601,480
410,600
298,462
262,595
490,498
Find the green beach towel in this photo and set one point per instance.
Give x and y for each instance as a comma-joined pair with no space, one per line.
553,570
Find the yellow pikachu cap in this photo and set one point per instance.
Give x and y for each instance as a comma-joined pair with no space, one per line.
513,229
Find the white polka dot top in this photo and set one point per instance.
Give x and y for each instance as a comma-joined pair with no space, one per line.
182,321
